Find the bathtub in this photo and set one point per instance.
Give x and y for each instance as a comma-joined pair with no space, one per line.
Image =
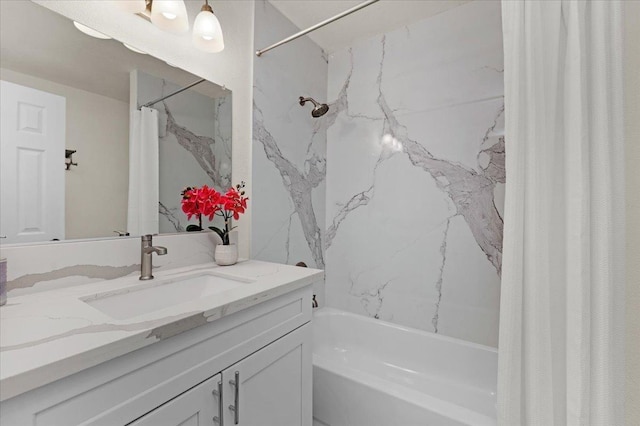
368,372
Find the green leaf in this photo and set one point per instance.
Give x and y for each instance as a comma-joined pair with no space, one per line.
218,231
224,236
193,228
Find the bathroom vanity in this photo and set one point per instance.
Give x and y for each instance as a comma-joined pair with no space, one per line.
200,345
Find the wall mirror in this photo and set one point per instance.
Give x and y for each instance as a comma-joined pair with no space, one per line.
79,160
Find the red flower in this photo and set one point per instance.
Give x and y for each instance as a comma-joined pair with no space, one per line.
209,199
234,203
190,202
200,202
208,202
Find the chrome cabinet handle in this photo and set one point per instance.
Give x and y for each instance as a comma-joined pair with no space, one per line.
236,407
219,418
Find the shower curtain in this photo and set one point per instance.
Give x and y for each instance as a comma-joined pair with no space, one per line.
562,303
142,212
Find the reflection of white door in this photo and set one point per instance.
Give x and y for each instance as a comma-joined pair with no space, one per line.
32,145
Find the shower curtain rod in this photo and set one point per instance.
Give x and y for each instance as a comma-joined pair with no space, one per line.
316,26
148,104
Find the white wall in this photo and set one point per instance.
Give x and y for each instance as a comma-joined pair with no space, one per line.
632,131
231,67
98,128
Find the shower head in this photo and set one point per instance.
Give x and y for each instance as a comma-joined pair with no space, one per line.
318,109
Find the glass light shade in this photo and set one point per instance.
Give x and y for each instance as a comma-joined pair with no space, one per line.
133,49
170,15
207,33
90,31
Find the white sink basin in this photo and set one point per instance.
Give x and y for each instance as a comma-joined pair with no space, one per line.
159,294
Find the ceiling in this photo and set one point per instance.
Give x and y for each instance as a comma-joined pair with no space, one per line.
58,52
380,17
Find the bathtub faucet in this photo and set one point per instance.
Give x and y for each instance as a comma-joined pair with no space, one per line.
314,302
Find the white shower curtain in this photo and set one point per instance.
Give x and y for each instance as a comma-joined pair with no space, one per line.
562,304
142,214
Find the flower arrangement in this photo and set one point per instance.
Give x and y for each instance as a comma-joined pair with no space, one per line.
208,202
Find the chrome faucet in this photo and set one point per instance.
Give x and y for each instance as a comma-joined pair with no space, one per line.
147,249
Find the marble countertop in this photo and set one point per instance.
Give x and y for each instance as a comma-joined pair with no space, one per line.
50,335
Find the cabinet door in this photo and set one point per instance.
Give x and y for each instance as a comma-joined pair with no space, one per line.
273,385
196,407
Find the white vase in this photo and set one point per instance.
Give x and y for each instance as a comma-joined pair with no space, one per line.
226,254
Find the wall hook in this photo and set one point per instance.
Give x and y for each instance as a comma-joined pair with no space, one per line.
68,160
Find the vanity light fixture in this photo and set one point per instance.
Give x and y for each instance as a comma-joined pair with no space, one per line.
90,31
170,15
207,32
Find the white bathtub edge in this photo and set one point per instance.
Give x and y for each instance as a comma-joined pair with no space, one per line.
332,311
438,406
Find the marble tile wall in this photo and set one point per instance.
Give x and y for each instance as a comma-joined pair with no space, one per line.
397,191
415,175
195,145
40,267
289,145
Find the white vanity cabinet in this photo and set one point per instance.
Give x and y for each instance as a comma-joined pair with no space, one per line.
273,384
195,407
269,387
252,367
